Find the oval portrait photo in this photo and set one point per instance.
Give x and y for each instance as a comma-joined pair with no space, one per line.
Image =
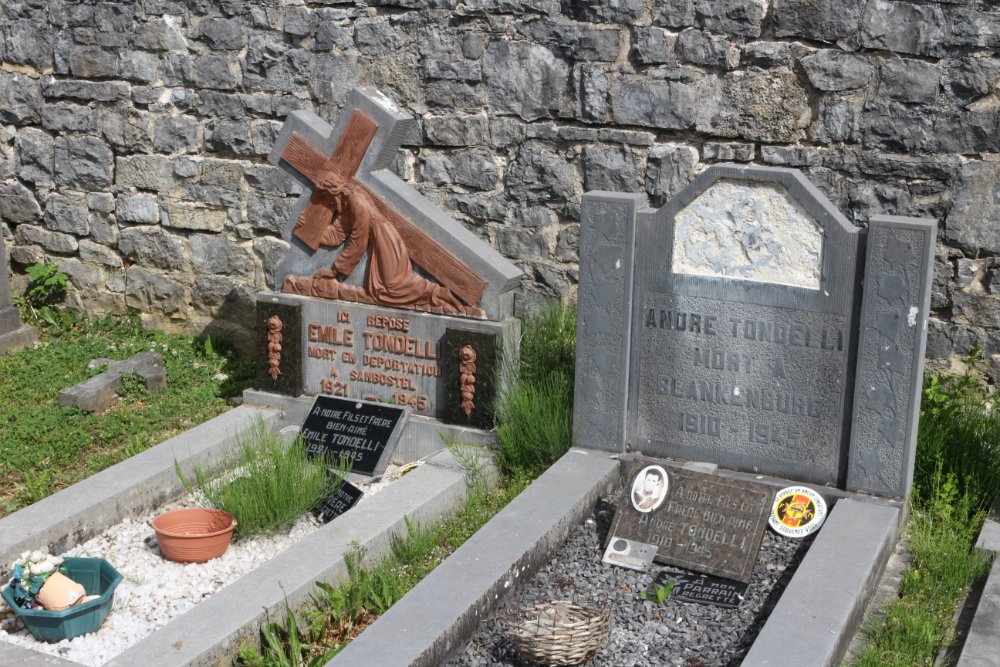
649,488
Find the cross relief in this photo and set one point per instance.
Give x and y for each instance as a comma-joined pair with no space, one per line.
342,210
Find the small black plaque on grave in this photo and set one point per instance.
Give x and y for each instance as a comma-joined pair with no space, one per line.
470,361
700,522
363,432
343,499
701,588
279,346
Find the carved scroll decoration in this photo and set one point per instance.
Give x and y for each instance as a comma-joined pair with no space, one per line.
274,327
467,378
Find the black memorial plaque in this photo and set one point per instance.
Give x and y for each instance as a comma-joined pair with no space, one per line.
704,523
469,396
361,432
279,346
343,499
701,588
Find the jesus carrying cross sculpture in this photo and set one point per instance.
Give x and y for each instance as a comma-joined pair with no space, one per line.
342,211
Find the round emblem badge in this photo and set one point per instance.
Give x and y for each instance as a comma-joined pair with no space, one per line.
797,511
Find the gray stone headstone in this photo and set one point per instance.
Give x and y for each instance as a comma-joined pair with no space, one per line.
724,327
13,333
731,365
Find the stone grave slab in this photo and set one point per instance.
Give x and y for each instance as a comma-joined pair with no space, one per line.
740,324
13,333
361,432
699,522
378,274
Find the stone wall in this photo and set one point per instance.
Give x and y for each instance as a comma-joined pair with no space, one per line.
132,134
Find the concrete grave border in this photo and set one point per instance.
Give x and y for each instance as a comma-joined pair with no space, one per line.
441,612
213,630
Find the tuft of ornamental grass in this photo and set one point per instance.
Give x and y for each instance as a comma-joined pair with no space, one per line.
535,414
337,614
276,483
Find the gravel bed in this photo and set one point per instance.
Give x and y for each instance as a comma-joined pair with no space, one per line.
643,633
154,590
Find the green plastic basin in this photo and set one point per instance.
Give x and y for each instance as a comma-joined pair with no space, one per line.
97,577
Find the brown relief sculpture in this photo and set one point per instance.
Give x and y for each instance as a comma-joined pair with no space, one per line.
342,211
467,381
274,327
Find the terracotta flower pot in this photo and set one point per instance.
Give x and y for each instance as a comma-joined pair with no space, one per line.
194,535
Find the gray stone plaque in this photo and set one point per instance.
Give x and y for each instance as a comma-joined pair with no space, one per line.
729,365
703,522
752,387
382,354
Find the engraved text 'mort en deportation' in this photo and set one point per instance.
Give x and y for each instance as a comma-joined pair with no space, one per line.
384,352
706,523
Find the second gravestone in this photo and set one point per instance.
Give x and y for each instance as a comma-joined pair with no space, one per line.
383,296
747,323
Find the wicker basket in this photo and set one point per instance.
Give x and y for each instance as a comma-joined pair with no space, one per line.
559,633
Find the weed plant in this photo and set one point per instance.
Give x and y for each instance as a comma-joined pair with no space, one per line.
337,614
535,414
956,478
45,446
276,482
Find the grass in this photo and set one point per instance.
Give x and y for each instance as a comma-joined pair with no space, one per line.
277,482
534,428
535,416
337,614
957,476
45,446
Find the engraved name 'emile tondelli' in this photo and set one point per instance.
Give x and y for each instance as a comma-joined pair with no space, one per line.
382,354
726,389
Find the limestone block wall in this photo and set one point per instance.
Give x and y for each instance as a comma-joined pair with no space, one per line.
133,134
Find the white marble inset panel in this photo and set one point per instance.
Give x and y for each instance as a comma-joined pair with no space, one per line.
748,231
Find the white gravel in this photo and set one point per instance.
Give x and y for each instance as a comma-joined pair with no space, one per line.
154,590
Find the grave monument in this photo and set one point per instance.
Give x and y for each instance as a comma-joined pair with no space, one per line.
13,333
381,296
747,324
744,338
